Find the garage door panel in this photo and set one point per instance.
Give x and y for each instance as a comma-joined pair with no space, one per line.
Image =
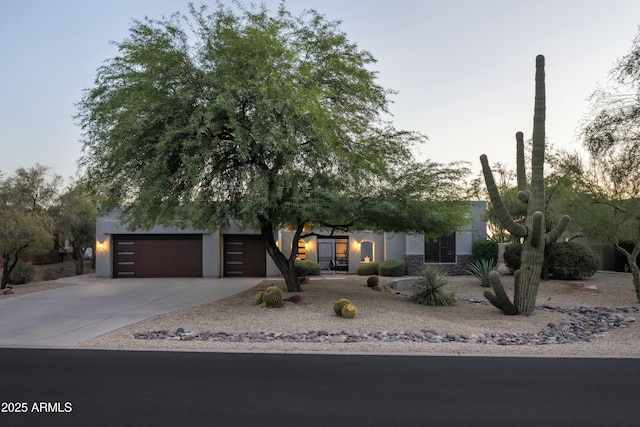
157,256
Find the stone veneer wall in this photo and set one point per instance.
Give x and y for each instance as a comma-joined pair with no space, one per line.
416,262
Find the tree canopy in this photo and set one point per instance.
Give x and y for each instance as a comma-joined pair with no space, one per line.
606,204
26,227
269,120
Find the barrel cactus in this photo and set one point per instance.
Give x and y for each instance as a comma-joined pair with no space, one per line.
532,233
372,281
337,306
272,296
258,297
349,311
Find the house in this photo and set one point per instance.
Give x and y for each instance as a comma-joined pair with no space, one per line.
173,252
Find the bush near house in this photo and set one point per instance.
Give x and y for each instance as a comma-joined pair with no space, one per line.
393,267
22,273
511,256
572,261
368,269
307,268
566,260
484,249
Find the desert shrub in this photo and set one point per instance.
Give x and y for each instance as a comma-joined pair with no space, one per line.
49,274
393,267
481,268
571,261
22,273
428,288
306,268
484,249
511,255
368,268
372,281
337,306
349,311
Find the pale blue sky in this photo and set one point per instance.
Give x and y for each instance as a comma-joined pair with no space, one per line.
463,69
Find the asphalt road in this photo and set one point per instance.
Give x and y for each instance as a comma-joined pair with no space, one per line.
119,388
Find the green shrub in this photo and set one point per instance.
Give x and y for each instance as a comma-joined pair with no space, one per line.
306,268
337,306
429,288
372,281
349,311
481,268
571,261
22,273
485,249
393,267
511,255
368,268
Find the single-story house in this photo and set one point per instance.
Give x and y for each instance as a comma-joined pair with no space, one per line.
173,252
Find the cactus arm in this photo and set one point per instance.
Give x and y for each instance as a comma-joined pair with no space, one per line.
553,235
539,116
536,229
502,213
500,300
523,187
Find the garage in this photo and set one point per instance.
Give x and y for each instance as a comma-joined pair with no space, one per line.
157,255
244,256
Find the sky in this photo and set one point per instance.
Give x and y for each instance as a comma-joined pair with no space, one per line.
463,69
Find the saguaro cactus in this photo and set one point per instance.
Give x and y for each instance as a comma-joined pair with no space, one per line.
531,234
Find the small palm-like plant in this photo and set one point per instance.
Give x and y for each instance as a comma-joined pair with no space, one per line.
481,268
429,288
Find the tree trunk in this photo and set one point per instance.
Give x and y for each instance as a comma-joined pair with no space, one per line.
7,269
284,264
633,265
635,273
78,261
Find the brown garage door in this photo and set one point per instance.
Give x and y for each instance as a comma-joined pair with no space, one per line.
156,255
244,255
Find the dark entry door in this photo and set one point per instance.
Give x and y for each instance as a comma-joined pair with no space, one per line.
244,256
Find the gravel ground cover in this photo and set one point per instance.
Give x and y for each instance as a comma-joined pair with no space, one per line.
388,323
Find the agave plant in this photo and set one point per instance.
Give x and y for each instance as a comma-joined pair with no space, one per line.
428,288
481,268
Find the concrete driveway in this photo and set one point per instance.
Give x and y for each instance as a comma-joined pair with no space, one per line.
64,317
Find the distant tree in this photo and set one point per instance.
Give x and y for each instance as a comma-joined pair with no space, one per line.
76,221
26,227
268,121
612,177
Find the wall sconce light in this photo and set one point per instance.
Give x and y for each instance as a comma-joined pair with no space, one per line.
306,246
100,245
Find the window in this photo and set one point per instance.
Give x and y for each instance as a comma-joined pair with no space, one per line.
366,251
302,250
441,250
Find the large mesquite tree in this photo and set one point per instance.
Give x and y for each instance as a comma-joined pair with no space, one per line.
612,139
266,121
532,232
